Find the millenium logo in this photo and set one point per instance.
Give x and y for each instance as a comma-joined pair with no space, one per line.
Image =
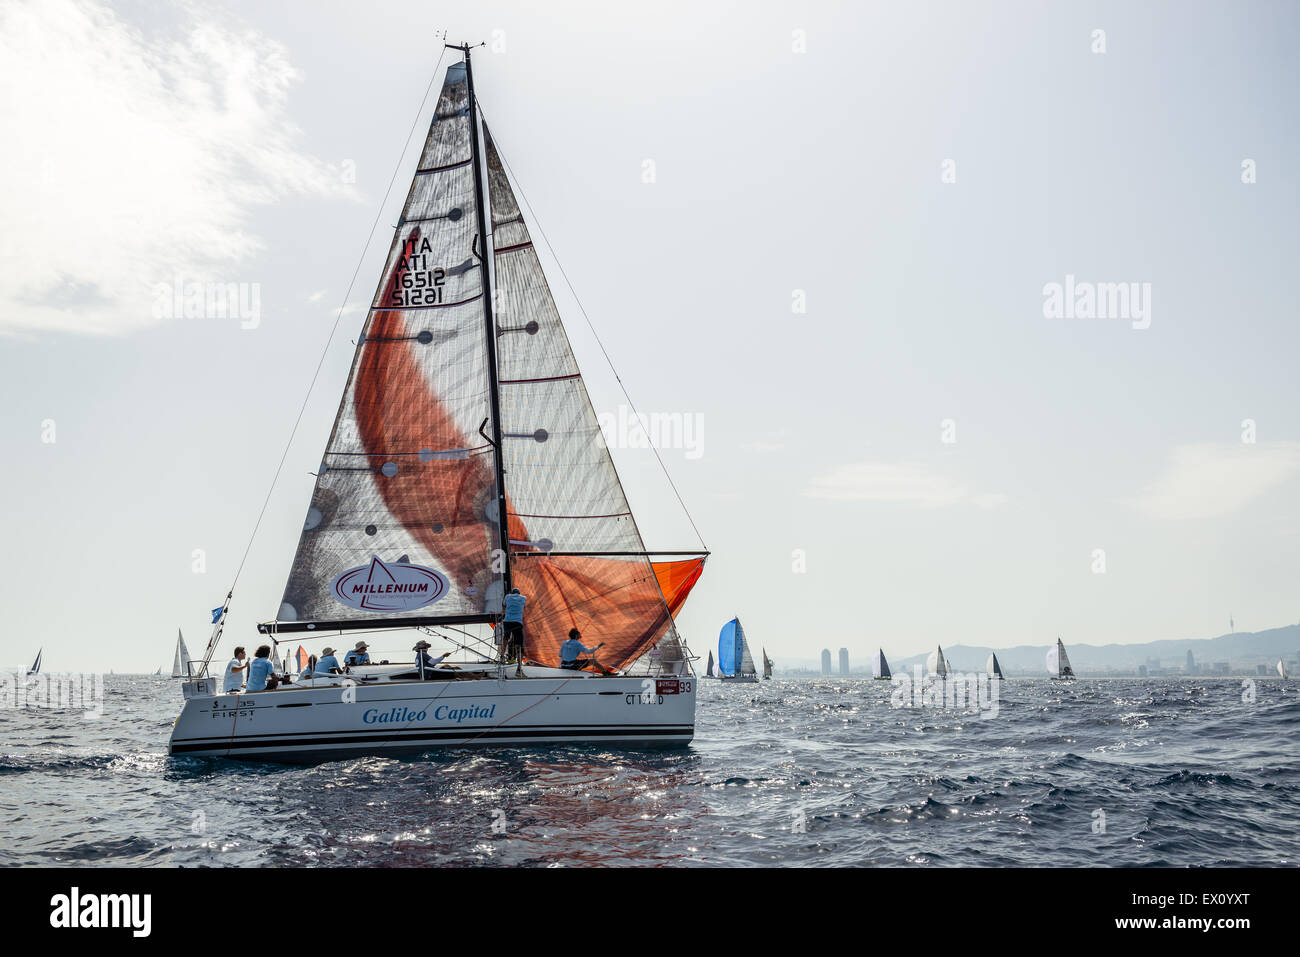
394,587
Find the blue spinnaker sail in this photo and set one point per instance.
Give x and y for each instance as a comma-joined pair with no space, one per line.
728,649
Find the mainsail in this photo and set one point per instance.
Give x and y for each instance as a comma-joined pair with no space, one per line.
1281,668
767,665
879,666
992,667
406,476
746,659
36,665
404,527
708,672
181,663
937,664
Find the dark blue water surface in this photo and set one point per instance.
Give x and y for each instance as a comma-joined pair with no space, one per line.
789,772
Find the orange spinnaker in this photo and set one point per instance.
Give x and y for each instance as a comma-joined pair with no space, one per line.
441,504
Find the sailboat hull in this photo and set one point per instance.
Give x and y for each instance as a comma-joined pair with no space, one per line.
411,717
742,679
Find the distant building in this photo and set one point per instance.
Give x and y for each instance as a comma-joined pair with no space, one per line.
826,661
1142,671
844,661
1262,670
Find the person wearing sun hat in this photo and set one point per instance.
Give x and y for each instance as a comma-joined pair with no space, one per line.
328,664
423,663
359,655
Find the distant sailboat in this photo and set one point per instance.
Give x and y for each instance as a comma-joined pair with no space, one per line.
181,663
1058,663
708,672
937,664
993,668
735,663
36,665
767,666
158,672
880,667
1281,669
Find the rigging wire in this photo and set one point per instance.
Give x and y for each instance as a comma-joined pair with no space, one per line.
608,361
293,432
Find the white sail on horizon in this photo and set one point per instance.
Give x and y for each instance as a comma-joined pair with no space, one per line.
1058,662
992,667
937,664
181,662
879,666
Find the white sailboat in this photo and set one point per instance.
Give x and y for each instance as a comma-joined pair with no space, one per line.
181,660
36,665
708,672
937,664
735,663
1058,663
767,666
880,667
1281,669
466,459
992,667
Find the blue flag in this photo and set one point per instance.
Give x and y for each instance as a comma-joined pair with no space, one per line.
216,614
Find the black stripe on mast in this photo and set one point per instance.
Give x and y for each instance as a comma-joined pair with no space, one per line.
489,324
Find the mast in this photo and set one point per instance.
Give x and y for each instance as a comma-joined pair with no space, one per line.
489,325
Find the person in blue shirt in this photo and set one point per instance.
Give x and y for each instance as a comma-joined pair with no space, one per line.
328,664
513,627
571,649
260,670
358,655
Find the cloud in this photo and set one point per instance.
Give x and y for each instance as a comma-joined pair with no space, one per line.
901,483
134,158
1206,480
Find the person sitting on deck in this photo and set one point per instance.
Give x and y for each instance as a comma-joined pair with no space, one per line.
260,671
423,663
235,671
308,671
328,664
571,649
358,655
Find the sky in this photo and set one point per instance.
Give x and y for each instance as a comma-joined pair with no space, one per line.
826,234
